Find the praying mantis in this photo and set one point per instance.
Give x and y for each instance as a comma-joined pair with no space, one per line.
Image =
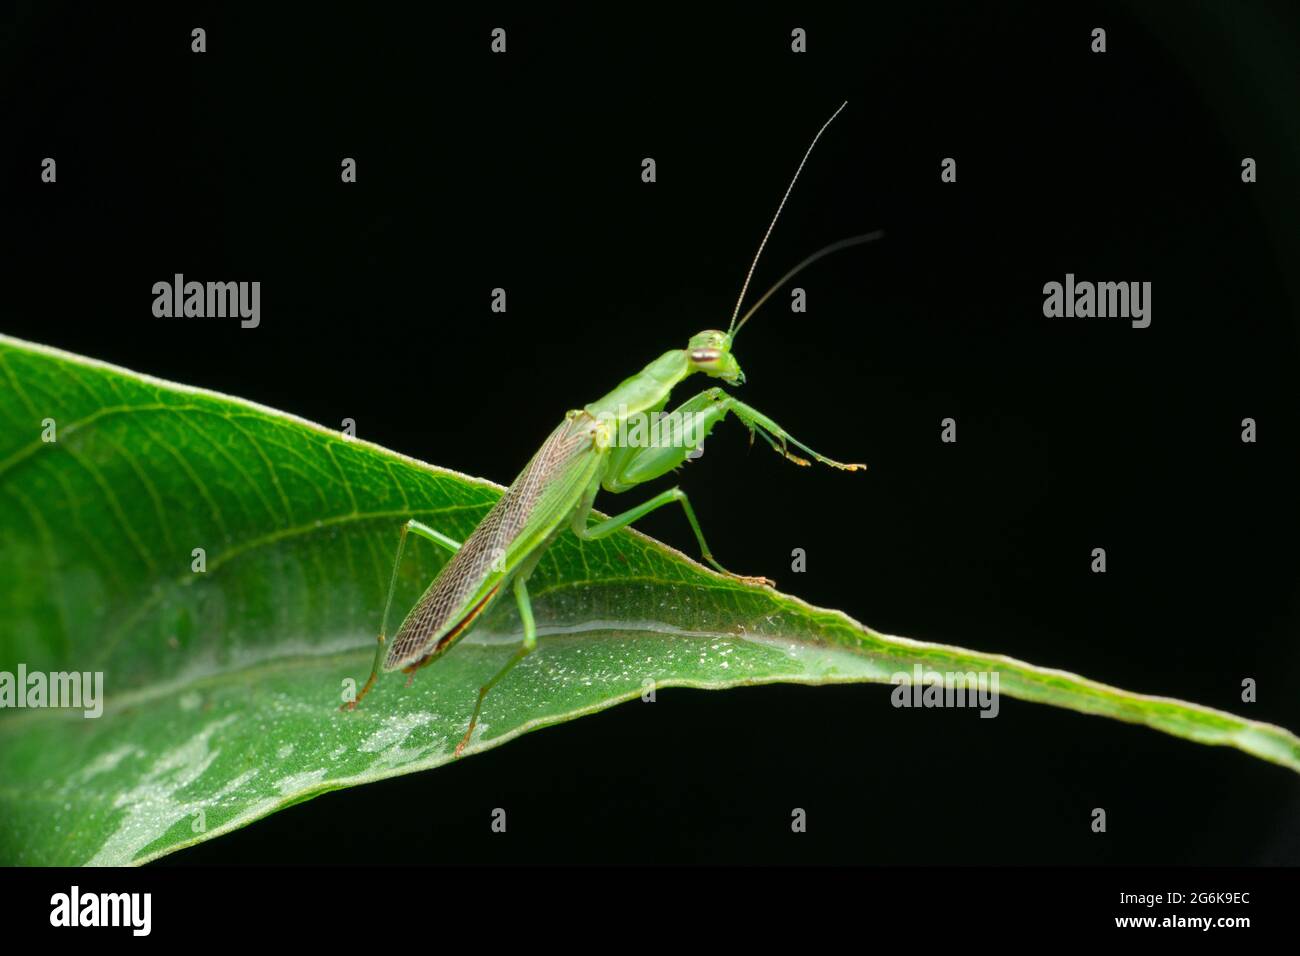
587,452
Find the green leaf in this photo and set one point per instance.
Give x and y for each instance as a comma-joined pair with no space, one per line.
221,688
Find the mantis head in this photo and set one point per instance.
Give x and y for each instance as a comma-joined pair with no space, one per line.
710,352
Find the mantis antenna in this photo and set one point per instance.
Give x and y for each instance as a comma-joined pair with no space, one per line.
735,326
825,251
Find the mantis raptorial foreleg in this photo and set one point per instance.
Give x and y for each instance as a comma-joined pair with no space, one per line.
678,434
685,428
529,644
776,436
424,531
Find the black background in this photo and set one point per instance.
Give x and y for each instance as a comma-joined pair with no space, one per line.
523,171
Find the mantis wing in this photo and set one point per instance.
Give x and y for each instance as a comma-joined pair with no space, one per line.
525,518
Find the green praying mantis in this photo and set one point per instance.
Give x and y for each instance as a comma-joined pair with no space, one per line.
590,450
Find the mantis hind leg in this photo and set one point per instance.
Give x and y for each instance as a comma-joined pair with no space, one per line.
529,645
424,531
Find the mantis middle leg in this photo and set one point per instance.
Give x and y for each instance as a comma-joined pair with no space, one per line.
526,648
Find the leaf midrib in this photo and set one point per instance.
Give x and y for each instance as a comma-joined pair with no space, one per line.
273,664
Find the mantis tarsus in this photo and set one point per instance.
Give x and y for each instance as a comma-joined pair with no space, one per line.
586,452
